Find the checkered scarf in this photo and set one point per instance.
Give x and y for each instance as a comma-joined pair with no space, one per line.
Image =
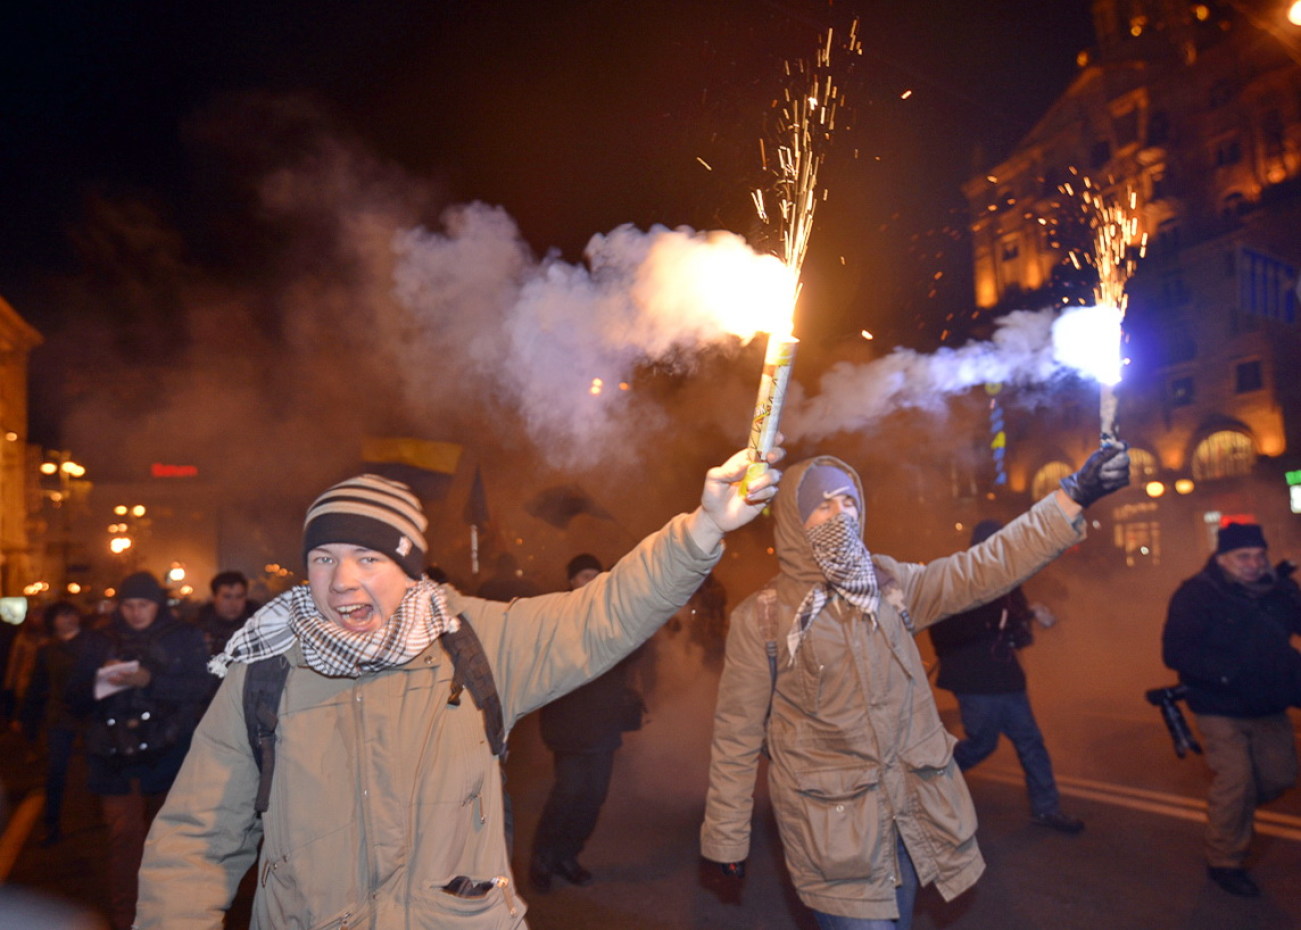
847,567
328,648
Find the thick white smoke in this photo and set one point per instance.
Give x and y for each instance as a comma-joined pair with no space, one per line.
854,397
555,340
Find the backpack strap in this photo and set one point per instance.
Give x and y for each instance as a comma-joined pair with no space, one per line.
263,684
471,672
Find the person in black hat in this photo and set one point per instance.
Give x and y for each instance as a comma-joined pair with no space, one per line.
582,729
1227,634
143,682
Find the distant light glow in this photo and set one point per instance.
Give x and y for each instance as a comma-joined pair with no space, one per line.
1154,488
1184,486
1294,13
1088,340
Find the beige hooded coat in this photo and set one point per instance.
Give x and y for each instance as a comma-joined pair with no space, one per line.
384,793
858,753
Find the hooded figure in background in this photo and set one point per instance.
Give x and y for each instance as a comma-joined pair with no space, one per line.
143,681
822,670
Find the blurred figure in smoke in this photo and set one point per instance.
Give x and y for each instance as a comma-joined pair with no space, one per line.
822,670
46,708
385,806
977,655
228,610
507,581
143,681
582,729
1228,634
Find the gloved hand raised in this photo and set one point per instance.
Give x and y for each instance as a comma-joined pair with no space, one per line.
1106,470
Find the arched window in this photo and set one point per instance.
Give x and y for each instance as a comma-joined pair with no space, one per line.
1225,454
1046,479
1143,467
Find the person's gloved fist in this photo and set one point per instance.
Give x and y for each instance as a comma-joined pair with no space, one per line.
1106,470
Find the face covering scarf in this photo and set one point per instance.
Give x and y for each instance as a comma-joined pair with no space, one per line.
847,567
328,648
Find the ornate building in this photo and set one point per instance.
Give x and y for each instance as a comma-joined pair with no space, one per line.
1191,113
17,339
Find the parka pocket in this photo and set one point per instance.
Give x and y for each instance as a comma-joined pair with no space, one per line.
837,825
488,904
940,797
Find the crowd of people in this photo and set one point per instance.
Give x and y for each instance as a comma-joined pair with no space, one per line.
349,735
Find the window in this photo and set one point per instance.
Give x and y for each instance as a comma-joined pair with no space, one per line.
1177,347
1167,237
1271,127
1011,249
1100,154
1221,93
1181,391
1143,467
1158,128
1047,479
1226,454
1248,377
1126,128
1234,204
1228,152
1174,293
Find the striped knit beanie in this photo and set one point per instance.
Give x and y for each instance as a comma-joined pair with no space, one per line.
370,511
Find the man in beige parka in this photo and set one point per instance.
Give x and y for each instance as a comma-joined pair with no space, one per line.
386,802
821,668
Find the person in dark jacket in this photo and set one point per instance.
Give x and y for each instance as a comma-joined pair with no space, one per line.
1227,634
143,680
977,655
229,608
46,707
582,729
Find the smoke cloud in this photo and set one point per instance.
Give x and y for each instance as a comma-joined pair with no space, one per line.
855,397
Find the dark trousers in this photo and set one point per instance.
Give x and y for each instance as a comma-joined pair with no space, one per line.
58,745
128,817
570,814
984,718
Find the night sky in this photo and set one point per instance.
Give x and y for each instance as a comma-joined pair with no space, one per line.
134,129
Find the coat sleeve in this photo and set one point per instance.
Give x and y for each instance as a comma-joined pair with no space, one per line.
740,715
977,575
205,837
545,646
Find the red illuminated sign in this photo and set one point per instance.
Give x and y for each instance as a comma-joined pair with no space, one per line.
159,470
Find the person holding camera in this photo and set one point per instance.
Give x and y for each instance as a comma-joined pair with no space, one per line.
1227,634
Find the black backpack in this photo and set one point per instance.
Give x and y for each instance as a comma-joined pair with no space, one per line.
265,681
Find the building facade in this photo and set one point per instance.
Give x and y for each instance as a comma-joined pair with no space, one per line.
17,339
1188,115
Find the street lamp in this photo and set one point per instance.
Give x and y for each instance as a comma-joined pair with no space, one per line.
59,464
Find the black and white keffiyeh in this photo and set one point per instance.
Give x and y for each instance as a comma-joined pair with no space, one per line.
847,567
328,648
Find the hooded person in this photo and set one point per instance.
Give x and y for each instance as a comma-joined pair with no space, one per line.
1228,633
142,681
386,803
822,672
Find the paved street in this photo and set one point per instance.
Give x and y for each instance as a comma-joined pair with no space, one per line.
1136,866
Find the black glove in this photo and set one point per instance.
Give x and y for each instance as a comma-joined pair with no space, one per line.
733,869
1106,470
